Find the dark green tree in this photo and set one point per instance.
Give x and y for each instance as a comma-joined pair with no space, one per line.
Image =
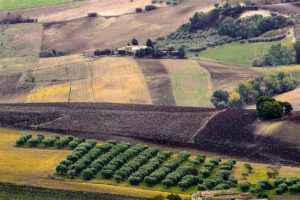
149,43
173,197
220,98
134,42
181,53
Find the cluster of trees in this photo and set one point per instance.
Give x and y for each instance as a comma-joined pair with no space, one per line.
248,93
109,169
96,166
159,174
154,51
23,139
268,108
206,20
76,154
126,170
252,26
147,169
277,55
53,53
281,185
15,18
189,169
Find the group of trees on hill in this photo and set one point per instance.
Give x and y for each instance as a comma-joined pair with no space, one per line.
225,20
280,55
248,93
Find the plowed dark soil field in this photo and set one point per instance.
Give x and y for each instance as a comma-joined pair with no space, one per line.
227,131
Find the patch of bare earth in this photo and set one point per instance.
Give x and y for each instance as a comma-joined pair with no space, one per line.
158,81
225,77
86,33
10,92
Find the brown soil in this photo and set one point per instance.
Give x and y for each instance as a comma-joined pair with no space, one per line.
84,33
229,131
225,77
290,7
158,82
9,89
78,9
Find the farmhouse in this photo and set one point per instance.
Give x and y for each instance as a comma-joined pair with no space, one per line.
220,195
130,49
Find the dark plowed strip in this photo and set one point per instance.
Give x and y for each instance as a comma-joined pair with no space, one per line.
225,76
158,82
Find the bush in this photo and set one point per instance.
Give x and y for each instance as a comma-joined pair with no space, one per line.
150,7
53,53
282,188
93,14
245,186
220,98
134,42
201,187
173,197
138,10
33,142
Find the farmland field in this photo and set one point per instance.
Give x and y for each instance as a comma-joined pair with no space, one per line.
116,80
16,4
190,82
33,166
238,54
20,40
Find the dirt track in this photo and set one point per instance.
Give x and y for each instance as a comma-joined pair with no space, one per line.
225,77
291,7
216,130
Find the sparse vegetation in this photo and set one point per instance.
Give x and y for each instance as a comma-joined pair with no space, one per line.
53,53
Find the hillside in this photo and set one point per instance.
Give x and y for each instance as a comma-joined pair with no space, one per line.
226,131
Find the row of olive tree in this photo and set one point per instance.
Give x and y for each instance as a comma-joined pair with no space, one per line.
129,168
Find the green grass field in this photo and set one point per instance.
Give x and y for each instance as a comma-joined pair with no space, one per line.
17,4
191,83
236,53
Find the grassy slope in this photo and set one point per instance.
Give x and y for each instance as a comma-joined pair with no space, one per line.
16,4
20,39
236,53
191,83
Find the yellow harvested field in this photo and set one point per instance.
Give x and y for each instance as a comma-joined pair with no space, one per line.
191,83
293,97
119,80
260,172
56,93
110,79
32,166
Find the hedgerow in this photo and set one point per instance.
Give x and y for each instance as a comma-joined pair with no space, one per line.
91,171
147,169
159,174
109,170
125,171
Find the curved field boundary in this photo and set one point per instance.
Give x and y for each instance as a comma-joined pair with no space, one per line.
190,82
158,81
